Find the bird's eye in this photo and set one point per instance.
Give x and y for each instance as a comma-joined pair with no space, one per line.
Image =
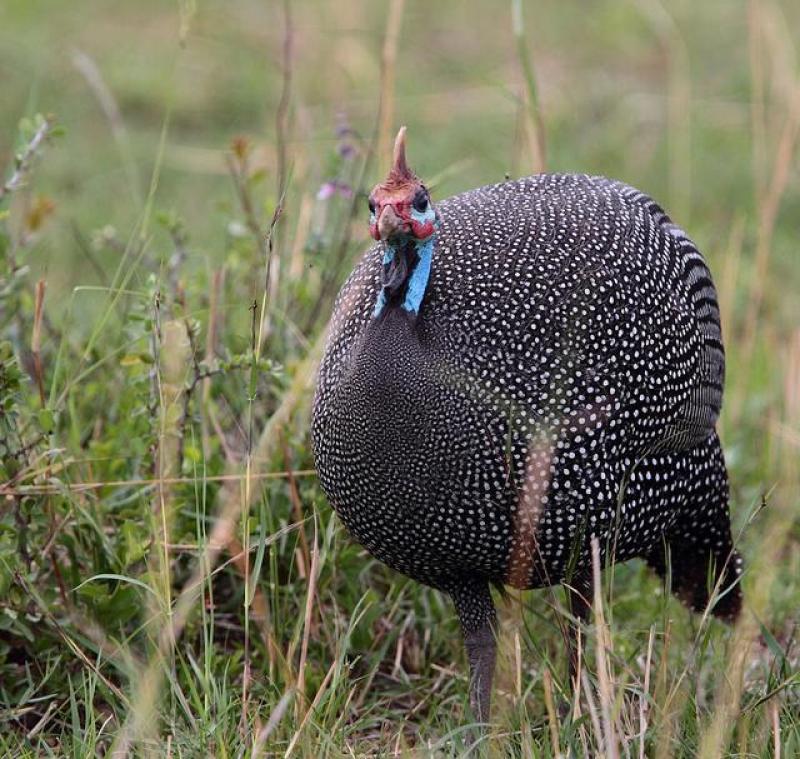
421,201
371,204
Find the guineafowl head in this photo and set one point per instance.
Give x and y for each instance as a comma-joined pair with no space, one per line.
404,219
400,207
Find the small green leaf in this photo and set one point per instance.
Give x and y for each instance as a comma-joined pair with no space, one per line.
119,578
772,643
47,420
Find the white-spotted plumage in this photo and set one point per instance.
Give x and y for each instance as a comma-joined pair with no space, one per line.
562,380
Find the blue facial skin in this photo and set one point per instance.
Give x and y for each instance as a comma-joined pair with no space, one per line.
421,272
419,276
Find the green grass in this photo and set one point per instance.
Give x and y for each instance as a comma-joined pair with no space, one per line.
139,416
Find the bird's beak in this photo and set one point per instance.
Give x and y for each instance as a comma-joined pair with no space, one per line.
390,223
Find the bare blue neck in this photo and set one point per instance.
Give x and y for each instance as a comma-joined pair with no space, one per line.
417,282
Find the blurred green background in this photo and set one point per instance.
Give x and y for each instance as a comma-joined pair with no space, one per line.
656,94
695,103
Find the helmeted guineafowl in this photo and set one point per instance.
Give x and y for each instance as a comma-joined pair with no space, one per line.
515,371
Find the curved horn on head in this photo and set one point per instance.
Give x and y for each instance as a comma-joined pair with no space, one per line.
399,164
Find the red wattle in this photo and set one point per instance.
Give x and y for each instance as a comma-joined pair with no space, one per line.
421,230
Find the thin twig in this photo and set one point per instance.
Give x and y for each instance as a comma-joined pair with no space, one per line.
388,64
36,339
643,703
310,595
251,393
314,704
603,674
297,508
45,718
282,113
212,331
274,719
547,681
199,374
239,169
7,489
534,120
24,160
767,217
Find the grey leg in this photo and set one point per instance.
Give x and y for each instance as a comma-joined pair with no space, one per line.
578,599
475,609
